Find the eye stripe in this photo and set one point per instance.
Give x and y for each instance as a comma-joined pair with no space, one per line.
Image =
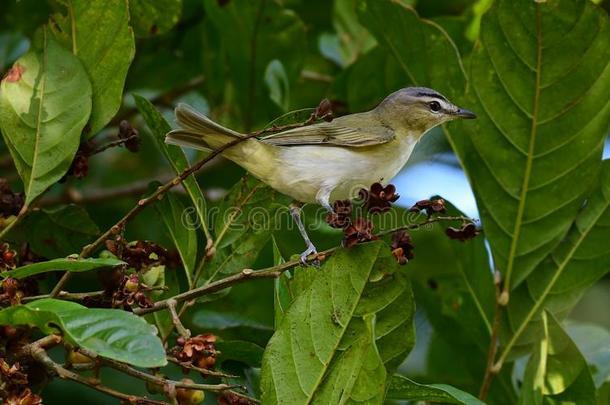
431,95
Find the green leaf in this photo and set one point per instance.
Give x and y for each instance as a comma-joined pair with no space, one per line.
423,50
244,222
238,350
260,31
547,111
98,33
154,17
60,231
111,333
556,373
69,264
278,84
342,322
172,210
281,292
44,104
402,388
175,156
593,341
454,283
578,262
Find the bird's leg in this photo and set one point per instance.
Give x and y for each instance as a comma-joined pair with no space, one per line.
295,212
323,197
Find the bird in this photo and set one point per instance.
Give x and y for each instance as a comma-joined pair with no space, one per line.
327,161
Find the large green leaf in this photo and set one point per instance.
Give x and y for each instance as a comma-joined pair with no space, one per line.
578,262
544,106
175,156
543,112
152,17
45,102
98,33
171,210
111,333
344,334
58,232
402,388
69,264
557,373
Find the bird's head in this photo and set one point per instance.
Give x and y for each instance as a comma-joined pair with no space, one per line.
419,109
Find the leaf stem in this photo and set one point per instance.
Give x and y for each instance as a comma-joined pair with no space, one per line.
491,370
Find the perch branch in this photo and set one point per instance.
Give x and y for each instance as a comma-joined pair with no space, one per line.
269,272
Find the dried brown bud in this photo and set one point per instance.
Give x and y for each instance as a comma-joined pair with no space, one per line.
359,231
198,350
430,206
324,110
130,135
466,232
231,398
378,198
402,247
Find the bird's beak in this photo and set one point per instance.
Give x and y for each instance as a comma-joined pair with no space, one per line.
466,114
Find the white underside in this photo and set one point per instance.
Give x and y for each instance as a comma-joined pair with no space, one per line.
328,173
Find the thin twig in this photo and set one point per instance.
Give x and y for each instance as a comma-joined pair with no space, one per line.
141,375
93,196
204,371
184,332
64,295
112,144
490,369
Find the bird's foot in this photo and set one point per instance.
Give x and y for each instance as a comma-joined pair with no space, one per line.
311,249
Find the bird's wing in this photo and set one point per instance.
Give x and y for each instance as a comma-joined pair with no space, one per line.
338,132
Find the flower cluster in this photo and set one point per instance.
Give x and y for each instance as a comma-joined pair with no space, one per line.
360,231
13,383
402,247
379,199
200,351
130,293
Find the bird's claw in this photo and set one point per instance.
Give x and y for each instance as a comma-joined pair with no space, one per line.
304,257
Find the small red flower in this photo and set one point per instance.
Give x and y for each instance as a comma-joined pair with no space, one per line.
434,206
466,232
378,198
198,350
402,247
360,231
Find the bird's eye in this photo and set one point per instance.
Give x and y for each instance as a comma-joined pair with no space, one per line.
434,106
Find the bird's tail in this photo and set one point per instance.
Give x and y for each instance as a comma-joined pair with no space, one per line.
198,131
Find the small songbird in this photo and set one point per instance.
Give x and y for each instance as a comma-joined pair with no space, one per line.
327,161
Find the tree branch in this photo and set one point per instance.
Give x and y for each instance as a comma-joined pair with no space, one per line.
36,351
270,272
